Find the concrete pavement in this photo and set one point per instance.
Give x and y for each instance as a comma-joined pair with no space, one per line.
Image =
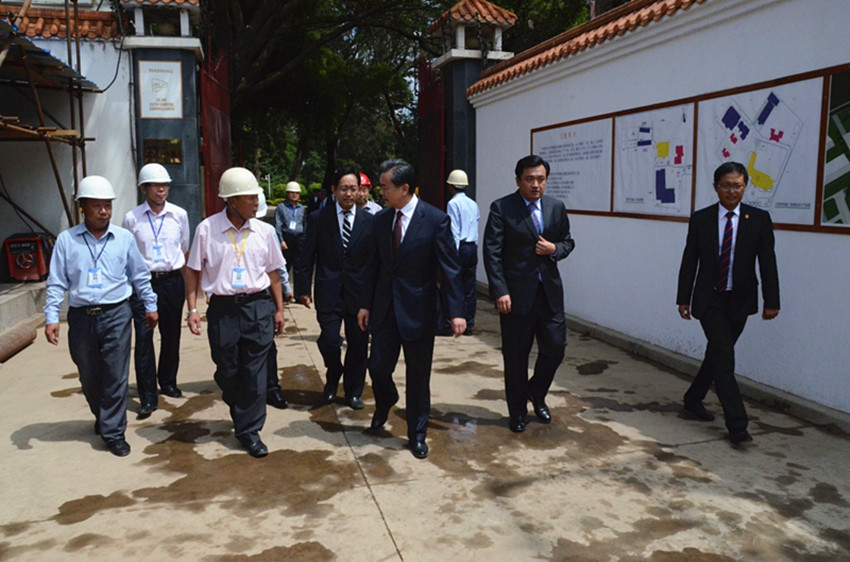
618,475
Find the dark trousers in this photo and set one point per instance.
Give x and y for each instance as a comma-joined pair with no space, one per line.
518,333
290,254
273,381
468,252
330,344
240,337
100,348
386,346
722,327
170,295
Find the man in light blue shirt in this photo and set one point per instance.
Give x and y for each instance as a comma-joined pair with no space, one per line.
463,212
96,263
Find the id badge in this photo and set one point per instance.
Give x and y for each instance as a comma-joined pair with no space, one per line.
158,254
238,279
95,280
293,225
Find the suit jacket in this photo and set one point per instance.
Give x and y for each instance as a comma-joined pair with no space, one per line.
340,273
700,261
512,266
408,281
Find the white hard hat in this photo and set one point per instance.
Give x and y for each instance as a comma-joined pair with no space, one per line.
293,186
238,181
153,173
458,177
95,187
263,206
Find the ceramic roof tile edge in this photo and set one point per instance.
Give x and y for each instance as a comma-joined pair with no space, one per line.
471,11
50,22
191,2
619,21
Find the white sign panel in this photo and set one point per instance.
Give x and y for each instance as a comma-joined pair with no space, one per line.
160,90
580,158
775,133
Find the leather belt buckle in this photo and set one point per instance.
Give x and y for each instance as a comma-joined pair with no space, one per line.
94,311
241,298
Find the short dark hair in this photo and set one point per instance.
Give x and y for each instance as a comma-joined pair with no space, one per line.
400,172
530,161
342,172
730,168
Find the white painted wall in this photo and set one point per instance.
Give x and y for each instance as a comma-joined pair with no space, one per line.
25,166
623,272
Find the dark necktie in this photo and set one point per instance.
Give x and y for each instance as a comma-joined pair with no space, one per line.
346,228
397,233
725,254
531,208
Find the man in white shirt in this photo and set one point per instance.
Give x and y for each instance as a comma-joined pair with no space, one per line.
161,230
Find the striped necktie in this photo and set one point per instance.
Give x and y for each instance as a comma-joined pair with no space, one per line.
725,255
346,228
532,208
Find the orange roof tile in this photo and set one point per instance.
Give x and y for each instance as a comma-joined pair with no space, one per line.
472,11
163,2
626,18
50,22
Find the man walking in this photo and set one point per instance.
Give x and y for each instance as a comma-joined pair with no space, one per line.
290,223
718,286
161,230
463,212
527,234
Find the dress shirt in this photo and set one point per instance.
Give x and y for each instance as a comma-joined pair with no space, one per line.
372,207
406,215
285,215
535,210
169,229
216,247
340,216
464,214
118,259
721,228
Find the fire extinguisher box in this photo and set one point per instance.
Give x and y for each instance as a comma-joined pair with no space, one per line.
28,255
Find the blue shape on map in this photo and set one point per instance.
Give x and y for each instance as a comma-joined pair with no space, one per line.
772,101
644,143
663,194
731,118
744,130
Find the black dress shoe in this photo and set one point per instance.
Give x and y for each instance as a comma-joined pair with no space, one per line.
146,410
541,410
699,411
275,398
329,393
119,447
355,403
739,437
256,449
419,449
517,424
171,391
379,418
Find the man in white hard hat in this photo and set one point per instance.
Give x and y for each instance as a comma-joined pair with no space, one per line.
464,214
235,258
99,265
161,230
290,223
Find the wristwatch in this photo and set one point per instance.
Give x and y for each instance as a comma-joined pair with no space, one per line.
188,314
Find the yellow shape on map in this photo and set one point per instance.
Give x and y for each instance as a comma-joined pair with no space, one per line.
663,149
759,179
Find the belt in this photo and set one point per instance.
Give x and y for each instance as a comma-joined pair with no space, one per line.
97,309
163,275
243,298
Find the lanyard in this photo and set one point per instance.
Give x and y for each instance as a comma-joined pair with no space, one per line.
294,212
92,251
235,247
155,232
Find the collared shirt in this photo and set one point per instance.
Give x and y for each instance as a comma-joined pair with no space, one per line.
290,220
406,214
535,210
119,262
340,216
219,248
168,229
721,228
464,214
371,207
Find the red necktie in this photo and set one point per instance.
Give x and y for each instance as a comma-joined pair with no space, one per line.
397,233
725,255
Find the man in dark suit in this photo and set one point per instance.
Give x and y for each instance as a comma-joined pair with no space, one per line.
340,243
718,286
414,240
527,234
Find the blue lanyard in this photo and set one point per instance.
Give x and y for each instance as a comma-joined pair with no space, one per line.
155,232
92,251
294,212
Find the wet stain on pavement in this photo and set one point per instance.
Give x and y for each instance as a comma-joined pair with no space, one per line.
73,375
490,394
79,510
12,529
471,367
66,392
375,466
823,492
594,367
87,540
302,552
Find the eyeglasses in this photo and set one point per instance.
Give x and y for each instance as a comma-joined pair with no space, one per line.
347,189
731,186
